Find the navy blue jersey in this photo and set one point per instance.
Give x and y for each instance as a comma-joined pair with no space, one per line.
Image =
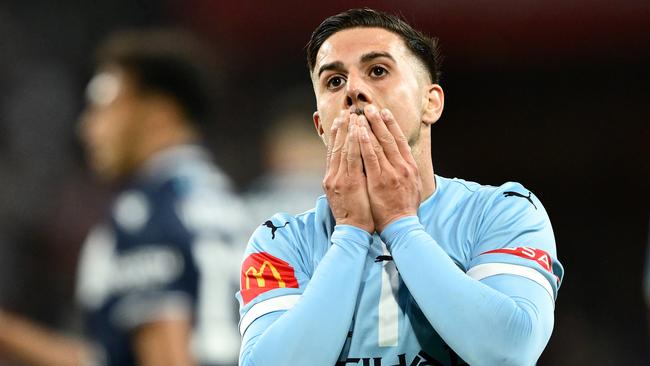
146,262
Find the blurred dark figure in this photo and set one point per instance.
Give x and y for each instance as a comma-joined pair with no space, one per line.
170,230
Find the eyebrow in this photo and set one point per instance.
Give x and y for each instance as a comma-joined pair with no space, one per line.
338,65
373,55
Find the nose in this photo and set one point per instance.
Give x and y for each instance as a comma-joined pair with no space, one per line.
357,93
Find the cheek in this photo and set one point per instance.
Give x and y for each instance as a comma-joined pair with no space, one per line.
122,122
111,134
405,106
97,131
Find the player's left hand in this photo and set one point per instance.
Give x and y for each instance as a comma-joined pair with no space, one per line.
393,179
344,183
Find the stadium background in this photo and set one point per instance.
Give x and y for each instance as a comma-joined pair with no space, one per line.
553,94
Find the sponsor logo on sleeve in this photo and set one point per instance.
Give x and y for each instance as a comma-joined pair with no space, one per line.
262,272
534,254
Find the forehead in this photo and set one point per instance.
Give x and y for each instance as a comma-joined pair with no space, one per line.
347,45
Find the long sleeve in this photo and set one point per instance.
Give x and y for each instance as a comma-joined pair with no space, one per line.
503,319
313,331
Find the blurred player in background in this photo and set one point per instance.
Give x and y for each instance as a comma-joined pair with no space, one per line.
155,277
395,265
293,161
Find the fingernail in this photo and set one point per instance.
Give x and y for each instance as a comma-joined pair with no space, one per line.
385,113
371,109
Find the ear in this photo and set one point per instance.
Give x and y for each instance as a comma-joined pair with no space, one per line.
319,127
317,124
434,102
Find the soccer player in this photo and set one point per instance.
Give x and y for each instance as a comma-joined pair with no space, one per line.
167,242
395,265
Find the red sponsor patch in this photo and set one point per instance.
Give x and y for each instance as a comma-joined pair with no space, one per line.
262,272
534,254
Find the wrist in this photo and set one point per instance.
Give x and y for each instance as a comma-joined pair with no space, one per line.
381,227
398,228
350,233
369,228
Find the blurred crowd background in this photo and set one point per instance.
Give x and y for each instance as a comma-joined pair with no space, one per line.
553,94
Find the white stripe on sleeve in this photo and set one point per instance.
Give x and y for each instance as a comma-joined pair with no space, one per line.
492,269
267,306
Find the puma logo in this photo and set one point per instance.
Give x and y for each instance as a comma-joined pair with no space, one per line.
510,194
273,228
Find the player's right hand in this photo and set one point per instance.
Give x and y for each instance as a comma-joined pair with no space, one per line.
345,183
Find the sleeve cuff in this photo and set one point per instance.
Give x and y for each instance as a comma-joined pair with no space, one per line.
398,228
352,234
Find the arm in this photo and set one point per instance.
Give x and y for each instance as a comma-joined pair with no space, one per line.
163,343
29,343
503,319
313,331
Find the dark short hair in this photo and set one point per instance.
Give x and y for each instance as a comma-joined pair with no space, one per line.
423,47
171,62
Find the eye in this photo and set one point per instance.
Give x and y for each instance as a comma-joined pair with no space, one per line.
335,82
378,71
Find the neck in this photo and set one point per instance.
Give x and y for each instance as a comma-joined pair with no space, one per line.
422,155
162,139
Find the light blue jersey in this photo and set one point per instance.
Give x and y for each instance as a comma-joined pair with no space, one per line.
471,279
